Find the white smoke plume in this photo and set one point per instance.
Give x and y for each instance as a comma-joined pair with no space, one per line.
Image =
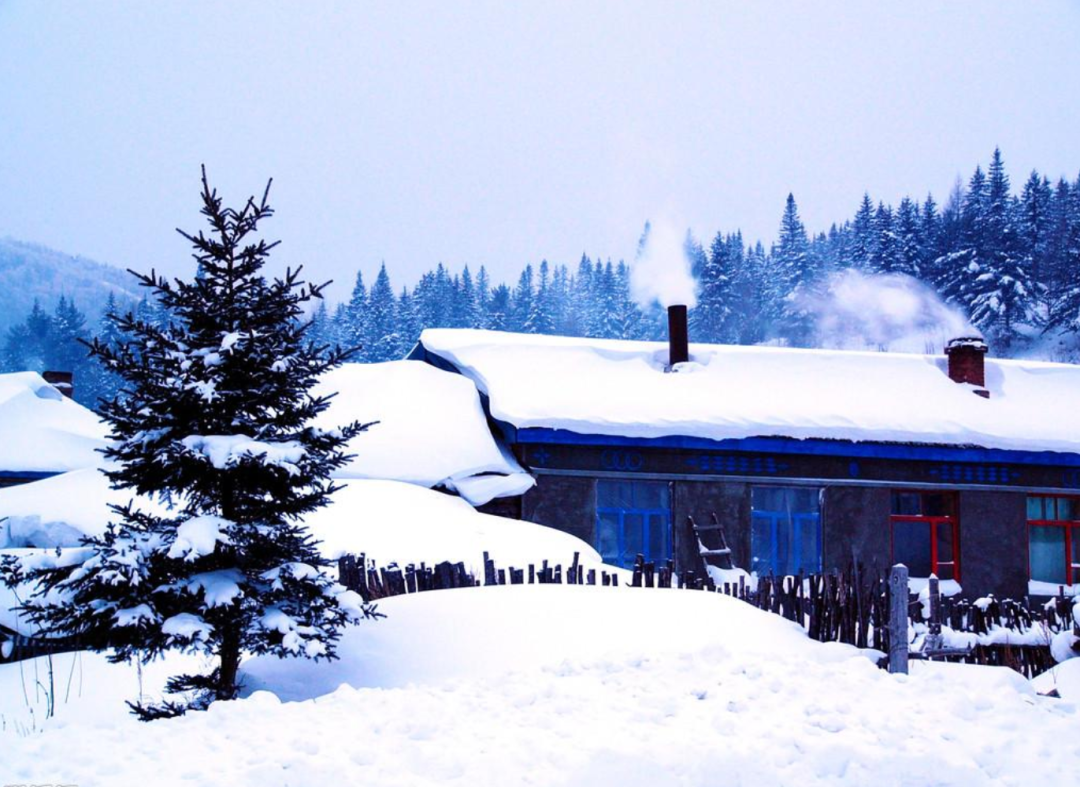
661,272
890,312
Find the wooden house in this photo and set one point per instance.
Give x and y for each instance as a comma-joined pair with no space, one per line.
957,465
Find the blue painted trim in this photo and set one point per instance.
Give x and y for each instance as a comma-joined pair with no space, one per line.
789,445
21,475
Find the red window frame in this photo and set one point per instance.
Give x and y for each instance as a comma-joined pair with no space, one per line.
932,522
1072,570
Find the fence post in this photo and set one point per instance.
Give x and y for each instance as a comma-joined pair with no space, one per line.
898,619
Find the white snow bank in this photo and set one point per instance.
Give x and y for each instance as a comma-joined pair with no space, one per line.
44,431
60,510
1065,678
606,387
400,523
432,430
573,686
445,635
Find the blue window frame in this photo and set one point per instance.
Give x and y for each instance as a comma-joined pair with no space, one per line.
633,517
785,532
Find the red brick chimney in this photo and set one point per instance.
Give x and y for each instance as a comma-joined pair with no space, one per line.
64,382
967,356
678,336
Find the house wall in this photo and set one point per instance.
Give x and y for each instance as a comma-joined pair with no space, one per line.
855,525
566,503
730,501
993,544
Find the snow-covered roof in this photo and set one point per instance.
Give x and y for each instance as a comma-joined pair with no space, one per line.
607,387
431,429
42,431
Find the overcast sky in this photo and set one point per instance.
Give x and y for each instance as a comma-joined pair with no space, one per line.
482,133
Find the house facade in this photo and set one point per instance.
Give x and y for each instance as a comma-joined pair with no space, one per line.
958,466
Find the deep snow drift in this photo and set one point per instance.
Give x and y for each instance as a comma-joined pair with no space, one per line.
43,430
431,429
559,685
604,387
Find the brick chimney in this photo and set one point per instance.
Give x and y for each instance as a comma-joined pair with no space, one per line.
678,339
967,356
64,382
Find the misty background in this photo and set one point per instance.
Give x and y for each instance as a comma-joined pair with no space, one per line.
497,135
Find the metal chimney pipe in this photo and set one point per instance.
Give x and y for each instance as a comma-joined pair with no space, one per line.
678,340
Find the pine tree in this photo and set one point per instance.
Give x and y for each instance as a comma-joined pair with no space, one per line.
884,256
408,321
353,327
712,315
499,308
999,290
521,305
795,275
541,313
216,420
863,237
909,242
380,329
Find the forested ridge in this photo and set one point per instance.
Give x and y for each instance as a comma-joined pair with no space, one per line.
1007,259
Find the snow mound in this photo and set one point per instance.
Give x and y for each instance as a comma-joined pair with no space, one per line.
560,686
391,521
1064,678
44,431
431,429
607,387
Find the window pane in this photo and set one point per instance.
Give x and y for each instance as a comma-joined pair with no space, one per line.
633,537
810,545
1074,535
761,544
1035,508
1066,508
767,498
907,503
911,546
784,546
945,550
658,527
1047,550
650,494
614,494
937,504
805,500
607,536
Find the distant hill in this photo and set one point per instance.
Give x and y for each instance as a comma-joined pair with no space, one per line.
29,271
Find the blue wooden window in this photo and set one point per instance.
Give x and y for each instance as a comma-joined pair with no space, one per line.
785,532
633,517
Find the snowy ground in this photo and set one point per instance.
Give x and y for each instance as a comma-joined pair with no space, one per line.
548,685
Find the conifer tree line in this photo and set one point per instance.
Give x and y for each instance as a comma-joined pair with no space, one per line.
1009,259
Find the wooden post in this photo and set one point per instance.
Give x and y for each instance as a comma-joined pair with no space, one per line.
934,639
898,619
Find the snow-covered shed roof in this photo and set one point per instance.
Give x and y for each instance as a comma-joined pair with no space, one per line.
431,430
42,431
607,387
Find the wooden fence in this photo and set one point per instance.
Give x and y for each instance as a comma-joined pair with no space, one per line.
843,606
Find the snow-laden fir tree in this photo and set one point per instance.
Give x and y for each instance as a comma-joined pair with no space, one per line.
215,419
382,341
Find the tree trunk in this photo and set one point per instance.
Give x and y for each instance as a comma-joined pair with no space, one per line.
229,653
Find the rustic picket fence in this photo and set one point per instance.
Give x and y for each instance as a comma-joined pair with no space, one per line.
851,607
